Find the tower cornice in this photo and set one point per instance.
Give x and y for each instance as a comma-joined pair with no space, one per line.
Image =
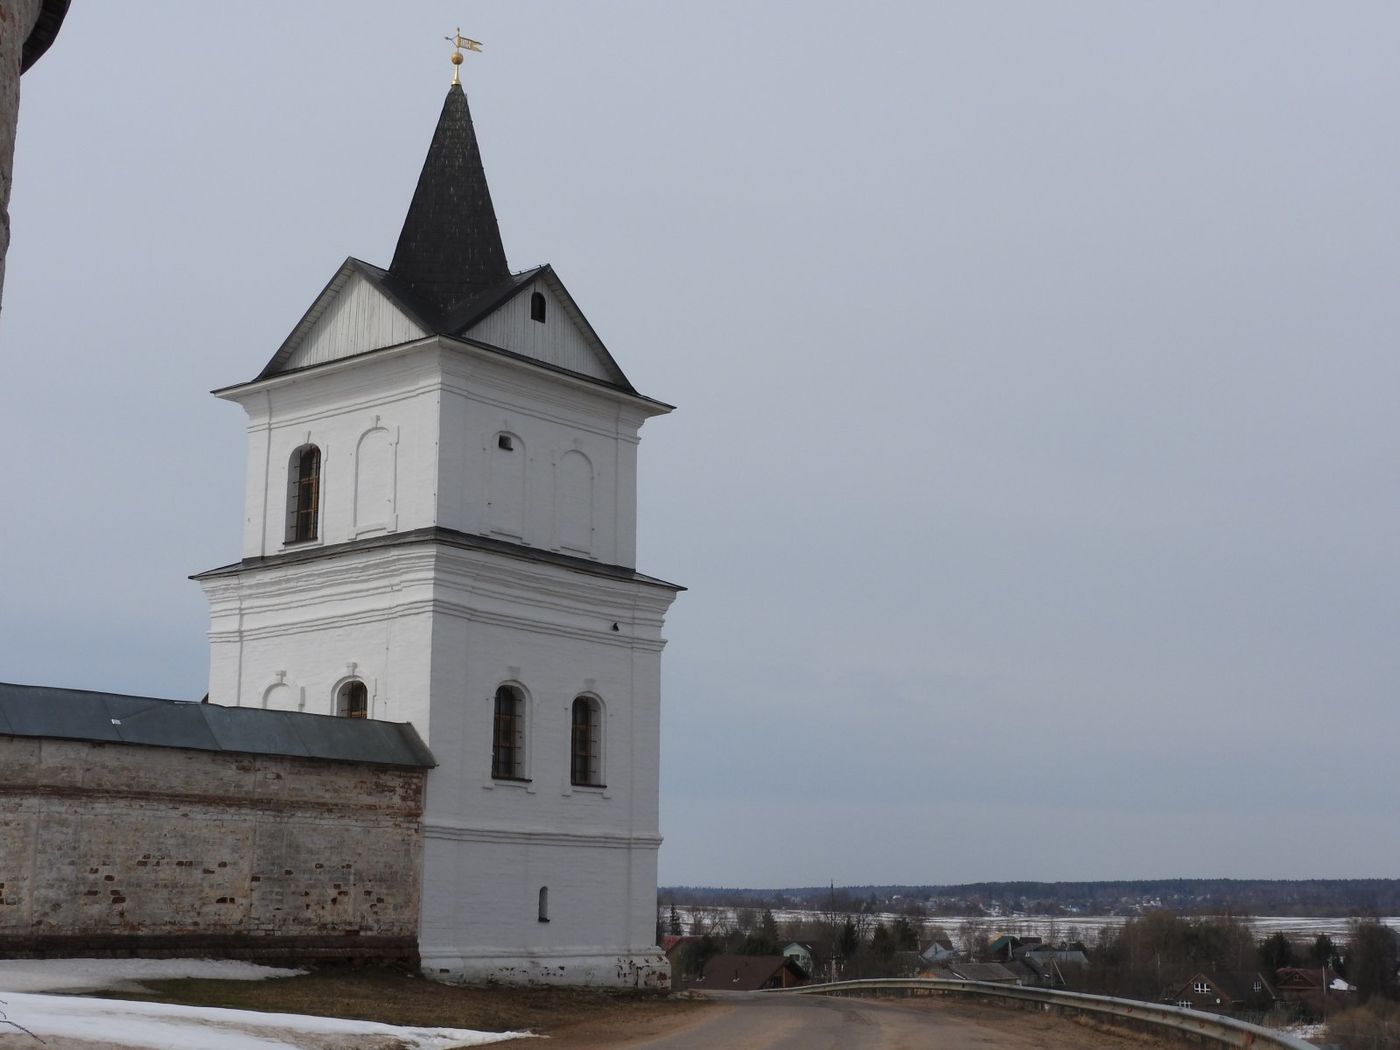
647,405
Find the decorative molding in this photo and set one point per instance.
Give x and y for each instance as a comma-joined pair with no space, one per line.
457,831
606,958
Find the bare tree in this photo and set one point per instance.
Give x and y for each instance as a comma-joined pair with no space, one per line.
1373,955
975,940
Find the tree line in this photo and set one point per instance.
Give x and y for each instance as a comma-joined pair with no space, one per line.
847,935
1322,898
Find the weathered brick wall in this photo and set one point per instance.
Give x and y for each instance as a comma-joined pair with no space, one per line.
119,847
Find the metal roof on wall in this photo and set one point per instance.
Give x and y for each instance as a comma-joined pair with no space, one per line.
77,714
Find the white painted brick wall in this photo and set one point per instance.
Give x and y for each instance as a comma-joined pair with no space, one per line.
434,629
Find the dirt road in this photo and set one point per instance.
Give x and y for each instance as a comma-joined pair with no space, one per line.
755,1021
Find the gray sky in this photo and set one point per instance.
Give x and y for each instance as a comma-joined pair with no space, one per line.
1035,468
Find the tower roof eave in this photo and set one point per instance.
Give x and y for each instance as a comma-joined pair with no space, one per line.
650,406
456,326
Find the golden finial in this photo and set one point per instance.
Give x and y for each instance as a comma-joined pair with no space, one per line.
459,42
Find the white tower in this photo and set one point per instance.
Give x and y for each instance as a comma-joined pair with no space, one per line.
440,529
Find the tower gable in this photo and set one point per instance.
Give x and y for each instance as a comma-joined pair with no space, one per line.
550,329
353,314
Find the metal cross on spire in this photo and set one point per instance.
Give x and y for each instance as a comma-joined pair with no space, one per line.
459,42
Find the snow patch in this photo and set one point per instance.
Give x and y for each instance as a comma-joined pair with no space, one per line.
90,975
68,1020
158,1026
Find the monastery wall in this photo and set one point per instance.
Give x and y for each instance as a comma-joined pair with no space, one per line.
116,848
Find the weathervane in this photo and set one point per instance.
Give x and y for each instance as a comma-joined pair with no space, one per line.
459,42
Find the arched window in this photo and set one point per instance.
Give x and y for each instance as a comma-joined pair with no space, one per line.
508,735
544,904
352,700
537,307
303,494
586,767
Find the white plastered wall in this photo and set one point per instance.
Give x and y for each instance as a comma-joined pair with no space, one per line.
386,406
432,416
433,628
484,398
491,845
433,631
287,636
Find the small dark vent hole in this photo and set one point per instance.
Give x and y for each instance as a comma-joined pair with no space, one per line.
503,441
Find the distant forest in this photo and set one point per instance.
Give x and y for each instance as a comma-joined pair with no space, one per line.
1301,897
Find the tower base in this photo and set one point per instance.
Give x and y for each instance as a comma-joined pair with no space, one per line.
644,971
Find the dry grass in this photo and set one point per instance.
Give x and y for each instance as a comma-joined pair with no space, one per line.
402,998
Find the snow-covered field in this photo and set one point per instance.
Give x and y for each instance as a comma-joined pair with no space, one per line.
1086,928
28,1004
1083,928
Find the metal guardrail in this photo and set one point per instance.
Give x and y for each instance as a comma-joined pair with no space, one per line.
1223,1030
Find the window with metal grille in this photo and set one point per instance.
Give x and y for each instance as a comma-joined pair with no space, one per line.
508,735
537,307
303,494
586,764
353,700
1201,988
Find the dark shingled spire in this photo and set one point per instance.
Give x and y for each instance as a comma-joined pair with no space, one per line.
450,247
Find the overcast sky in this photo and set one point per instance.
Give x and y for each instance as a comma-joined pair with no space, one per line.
1034,474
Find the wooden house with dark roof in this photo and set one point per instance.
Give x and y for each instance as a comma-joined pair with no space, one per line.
987,972
1312,990
1244,992
749,973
